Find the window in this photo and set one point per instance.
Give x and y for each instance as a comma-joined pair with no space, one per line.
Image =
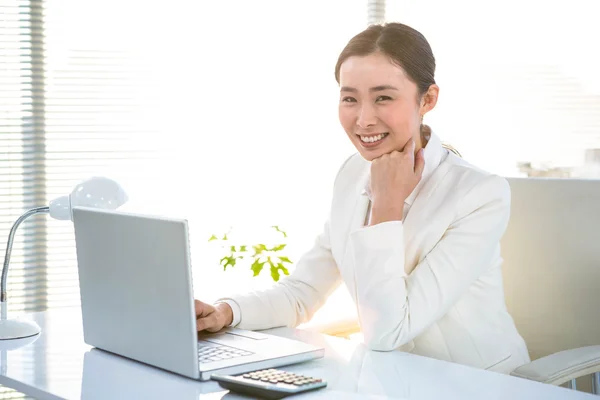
205,111
519,88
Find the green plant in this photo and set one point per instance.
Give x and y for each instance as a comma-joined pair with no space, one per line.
257,255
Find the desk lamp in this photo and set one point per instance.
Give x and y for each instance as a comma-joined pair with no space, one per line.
97,192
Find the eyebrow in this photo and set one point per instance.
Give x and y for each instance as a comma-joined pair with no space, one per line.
373,89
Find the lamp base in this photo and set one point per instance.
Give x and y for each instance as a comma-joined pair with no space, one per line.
18,329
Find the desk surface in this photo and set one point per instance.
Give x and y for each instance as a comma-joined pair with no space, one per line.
58,365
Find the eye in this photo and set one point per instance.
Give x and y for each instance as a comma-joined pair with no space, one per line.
383,98
348,100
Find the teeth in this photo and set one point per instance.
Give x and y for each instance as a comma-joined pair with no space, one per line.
371,139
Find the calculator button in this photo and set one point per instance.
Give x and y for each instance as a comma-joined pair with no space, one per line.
275,376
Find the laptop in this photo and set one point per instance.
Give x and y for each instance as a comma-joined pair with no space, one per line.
137,300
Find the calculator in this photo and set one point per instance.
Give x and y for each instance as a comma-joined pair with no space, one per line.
269,383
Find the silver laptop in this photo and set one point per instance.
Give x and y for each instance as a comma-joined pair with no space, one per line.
137,300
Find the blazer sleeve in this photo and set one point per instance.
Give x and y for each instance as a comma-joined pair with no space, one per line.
295,298
394,307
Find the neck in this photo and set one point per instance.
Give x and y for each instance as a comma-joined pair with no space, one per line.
422,138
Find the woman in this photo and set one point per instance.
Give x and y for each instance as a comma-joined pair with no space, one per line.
413,231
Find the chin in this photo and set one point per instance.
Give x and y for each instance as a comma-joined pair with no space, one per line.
371,155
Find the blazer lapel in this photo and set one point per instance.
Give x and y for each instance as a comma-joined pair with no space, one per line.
418,216
361,205
358,208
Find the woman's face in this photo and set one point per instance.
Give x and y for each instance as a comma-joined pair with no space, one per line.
379,105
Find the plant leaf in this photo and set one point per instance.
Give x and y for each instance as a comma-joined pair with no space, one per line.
256,267
274,273
232,249
259,248
243,248
279,230
274,269
224,237
284,259
279,247
283,268
227,261
213,237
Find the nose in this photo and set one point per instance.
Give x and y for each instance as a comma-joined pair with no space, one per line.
366,116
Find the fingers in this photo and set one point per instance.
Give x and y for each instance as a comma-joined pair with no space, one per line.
419,163
409,148
207,317
209,323
203,309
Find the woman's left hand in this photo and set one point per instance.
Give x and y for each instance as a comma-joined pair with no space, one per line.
393,178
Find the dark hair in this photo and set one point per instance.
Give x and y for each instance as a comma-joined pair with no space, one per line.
405,47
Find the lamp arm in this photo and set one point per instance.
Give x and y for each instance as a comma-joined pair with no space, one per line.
11,237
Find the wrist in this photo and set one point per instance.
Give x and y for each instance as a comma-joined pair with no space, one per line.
385,213
226,312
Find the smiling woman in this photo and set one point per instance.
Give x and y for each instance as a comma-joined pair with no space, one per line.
413,230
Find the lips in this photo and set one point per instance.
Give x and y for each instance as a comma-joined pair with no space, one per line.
372,140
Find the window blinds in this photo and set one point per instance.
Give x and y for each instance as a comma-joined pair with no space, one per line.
210,127
201,110
22,165
71,108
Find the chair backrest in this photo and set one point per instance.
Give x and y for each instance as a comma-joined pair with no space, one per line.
551,269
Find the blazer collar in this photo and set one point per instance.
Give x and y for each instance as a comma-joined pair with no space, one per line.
433,154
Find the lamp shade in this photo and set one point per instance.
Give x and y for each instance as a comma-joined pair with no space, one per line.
96,192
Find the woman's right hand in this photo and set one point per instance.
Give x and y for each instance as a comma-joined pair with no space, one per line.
212,318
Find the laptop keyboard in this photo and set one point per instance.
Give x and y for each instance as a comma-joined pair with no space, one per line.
208,352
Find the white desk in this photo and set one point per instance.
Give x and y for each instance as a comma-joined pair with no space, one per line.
58,365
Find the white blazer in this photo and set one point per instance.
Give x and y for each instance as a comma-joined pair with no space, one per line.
430,284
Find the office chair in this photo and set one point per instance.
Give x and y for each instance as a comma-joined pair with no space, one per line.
551,272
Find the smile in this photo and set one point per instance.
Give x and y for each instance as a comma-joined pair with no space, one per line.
372,139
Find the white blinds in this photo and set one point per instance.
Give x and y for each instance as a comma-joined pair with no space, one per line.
22,175
71,109
207,110
202,110
22,183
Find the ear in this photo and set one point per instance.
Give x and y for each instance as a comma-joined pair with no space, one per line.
429,99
